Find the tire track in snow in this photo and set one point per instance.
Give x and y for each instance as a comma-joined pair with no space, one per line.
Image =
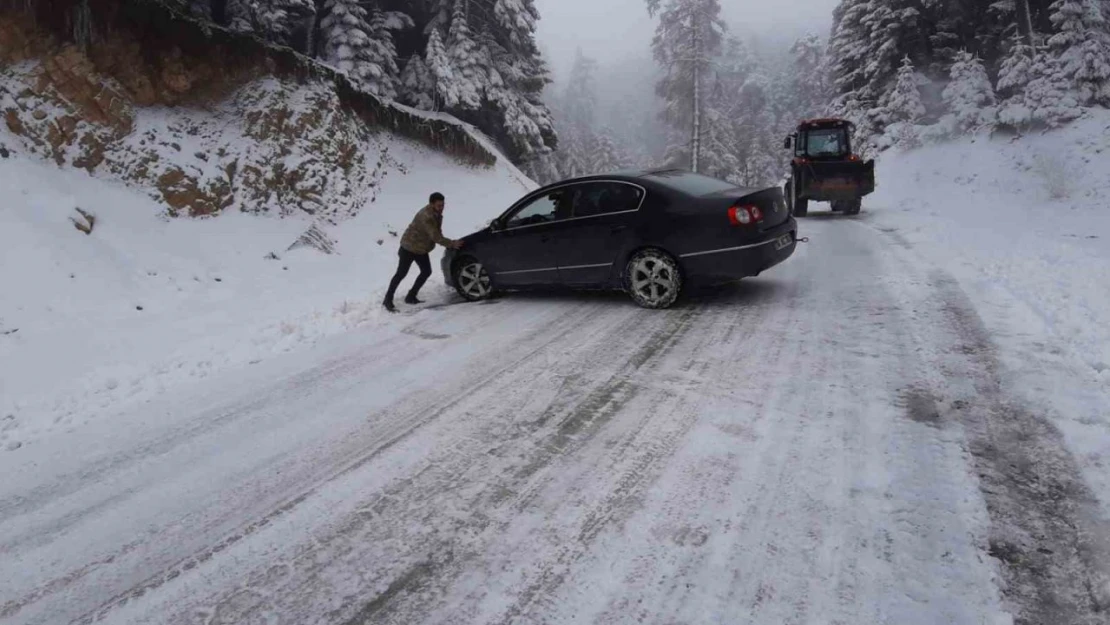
1047,528
398,425
571,421
404,528
340,374
801,494
1047,531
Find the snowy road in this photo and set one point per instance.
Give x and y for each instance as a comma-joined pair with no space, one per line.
831,443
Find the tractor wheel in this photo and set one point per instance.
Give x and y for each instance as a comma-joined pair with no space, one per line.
853,207
801,207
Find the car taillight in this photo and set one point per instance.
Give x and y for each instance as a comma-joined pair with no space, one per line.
744,215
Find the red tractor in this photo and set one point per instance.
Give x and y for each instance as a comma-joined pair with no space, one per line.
824,168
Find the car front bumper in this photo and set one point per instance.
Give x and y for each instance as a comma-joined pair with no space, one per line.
445,266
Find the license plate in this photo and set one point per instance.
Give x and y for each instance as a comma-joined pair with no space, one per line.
783,241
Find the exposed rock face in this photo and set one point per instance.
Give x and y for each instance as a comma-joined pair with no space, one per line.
201,134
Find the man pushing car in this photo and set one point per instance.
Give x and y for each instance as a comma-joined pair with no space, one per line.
417,243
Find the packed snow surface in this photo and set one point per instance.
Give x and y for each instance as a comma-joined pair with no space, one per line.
905,423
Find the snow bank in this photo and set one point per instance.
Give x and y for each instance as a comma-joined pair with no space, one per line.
145,303
1024,226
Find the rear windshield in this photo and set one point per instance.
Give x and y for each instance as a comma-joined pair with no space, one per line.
691,183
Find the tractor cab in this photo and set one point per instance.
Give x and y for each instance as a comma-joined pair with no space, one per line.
822,139
824,169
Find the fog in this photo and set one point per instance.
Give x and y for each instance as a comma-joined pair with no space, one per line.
614,31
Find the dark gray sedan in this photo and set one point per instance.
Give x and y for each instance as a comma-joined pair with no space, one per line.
646,233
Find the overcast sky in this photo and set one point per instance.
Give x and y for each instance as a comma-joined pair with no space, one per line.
613,30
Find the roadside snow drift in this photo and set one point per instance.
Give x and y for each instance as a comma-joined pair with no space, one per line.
144,302
1024,225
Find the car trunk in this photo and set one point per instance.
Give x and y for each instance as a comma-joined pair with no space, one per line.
770,202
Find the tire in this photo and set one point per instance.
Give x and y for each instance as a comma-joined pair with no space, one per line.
653,279
853,207
801,207
471,280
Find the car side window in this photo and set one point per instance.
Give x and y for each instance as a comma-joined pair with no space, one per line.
549,207
601,198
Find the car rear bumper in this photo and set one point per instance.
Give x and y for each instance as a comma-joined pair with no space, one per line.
742,261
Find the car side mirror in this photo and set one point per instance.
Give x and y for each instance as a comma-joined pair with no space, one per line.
495,225
788,143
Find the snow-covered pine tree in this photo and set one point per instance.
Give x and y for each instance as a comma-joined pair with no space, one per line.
903,102
886,23
444,88
605,156
687,41
757,145
1050,96
580,96
465,60
1016,70
969,95
1082,47
542,168
902,108
274,20
576,119
808,85
848,47
377,70
240,15
418,85
199,8
344,37
719,125
507,73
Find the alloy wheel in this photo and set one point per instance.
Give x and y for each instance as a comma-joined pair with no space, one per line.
654,280
474,281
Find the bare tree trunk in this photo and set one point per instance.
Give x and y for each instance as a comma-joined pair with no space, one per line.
1025,22
695,148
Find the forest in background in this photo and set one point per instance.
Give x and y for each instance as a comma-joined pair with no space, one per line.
905,71
474,59
708,98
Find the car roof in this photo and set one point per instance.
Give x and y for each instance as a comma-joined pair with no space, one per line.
628,175
663,177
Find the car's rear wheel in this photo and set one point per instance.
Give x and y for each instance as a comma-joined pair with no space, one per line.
799,207
472,280
653,279
853,207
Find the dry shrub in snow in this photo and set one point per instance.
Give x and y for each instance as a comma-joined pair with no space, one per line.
86,223
1056,173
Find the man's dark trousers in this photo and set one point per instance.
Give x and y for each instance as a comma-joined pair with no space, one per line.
405,261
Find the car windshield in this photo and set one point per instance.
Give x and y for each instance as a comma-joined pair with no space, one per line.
826,142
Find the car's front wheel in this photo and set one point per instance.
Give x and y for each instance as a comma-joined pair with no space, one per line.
472,280
653,279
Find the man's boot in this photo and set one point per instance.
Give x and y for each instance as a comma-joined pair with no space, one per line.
388,305
411,299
